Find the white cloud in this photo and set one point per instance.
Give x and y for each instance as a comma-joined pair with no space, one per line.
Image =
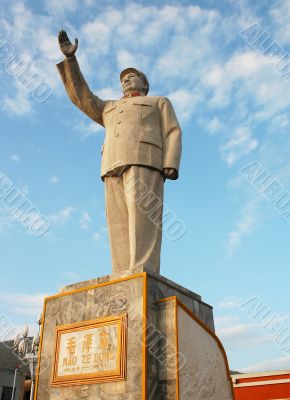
225,320
88,129
213,125
97,237
48,45
184,102
61,8
241,144
239,334
236,334
18,106
62,216
54,179
229,302
250,79
245,65
7,221
98,32
10,224
245,226
85,221
15,158
280,14
125,59
110,93
280,121
19,29
22,304
268,365
18,7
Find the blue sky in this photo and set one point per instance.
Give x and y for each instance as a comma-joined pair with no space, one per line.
232,98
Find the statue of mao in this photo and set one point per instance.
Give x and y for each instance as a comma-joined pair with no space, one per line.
142,148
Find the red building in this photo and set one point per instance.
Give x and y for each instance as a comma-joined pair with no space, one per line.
272,385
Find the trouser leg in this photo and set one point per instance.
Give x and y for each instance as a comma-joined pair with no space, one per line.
117,219
144,195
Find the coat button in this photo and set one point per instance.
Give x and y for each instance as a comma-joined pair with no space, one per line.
116,134
121,111
119,122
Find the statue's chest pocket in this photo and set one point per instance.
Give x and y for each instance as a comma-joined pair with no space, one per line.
109,115
150,132
145,111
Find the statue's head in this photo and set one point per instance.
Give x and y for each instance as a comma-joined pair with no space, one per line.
133,80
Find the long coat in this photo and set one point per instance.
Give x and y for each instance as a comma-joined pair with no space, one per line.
140,130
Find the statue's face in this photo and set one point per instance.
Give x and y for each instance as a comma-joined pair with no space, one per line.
132,83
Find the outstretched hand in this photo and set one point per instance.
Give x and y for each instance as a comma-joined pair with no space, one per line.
66,45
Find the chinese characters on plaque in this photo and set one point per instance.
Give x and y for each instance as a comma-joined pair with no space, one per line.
90,351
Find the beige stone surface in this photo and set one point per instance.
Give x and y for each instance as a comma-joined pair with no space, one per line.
167,354
135,223
203,371
191,362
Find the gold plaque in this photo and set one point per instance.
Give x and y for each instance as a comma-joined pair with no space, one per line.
90,352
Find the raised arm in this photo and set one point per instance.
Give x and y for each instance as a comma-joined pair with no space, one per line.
74,82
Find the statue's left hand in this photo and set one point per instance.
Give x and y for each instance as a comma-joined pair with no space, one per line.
170,173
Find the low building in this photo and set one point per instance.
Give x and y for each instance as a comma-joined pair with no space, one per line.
271,385
13,372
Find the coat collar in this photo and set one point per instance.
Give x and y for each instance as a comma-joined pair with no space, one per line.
133,94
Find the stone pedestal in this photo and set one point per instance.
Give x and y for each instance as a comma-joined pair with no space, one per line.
134,337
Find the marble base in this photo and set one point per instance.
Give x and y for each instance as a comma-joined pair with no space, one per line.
193,365
152,357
